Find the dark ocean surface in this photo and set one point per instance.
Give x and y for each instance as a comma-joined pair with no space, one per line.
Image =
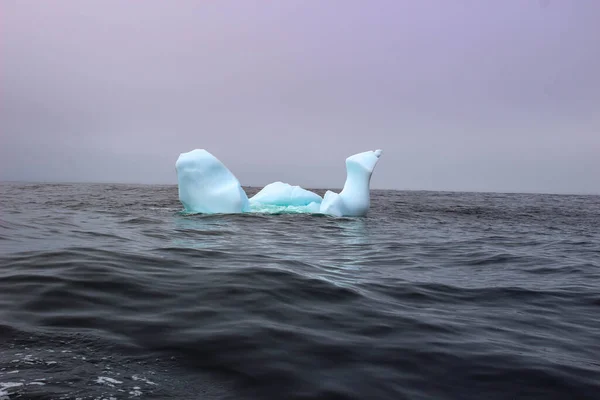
108,292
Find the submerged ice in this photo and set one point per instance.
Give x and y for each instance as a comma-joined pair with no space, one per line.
207,186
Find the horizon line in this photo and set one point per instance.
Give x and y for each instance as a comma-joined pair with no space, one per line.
311,188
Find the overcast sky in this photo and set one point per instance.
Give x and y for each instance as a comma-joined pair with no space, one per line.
461,95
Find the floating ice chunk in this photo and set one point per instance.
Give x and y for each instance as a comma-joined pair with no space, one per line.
283,194
207,186
354,200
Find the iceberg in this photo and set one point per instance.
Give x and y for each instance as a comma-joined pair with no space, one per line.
207,186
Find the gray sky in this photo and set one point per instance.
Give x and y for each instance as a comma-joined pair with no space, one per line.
460,95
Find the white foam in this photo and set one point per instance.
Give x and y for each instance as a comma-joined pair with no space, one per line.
107,381
4,395
10,384
138,378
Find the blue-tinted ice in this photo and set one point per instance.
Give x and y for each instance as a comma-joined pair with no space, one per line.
207,186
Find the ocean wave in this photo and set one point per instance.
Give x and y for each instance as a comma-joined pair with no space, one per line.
108,291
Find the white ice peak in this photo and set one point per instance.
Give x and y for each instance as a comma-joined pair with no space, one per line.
354,200
207,186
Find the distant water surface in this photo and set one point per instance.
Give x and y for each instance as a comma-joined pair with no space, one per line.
107,291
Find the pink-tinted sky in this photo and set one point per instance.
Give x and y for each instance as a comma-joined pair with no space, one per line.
461,94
